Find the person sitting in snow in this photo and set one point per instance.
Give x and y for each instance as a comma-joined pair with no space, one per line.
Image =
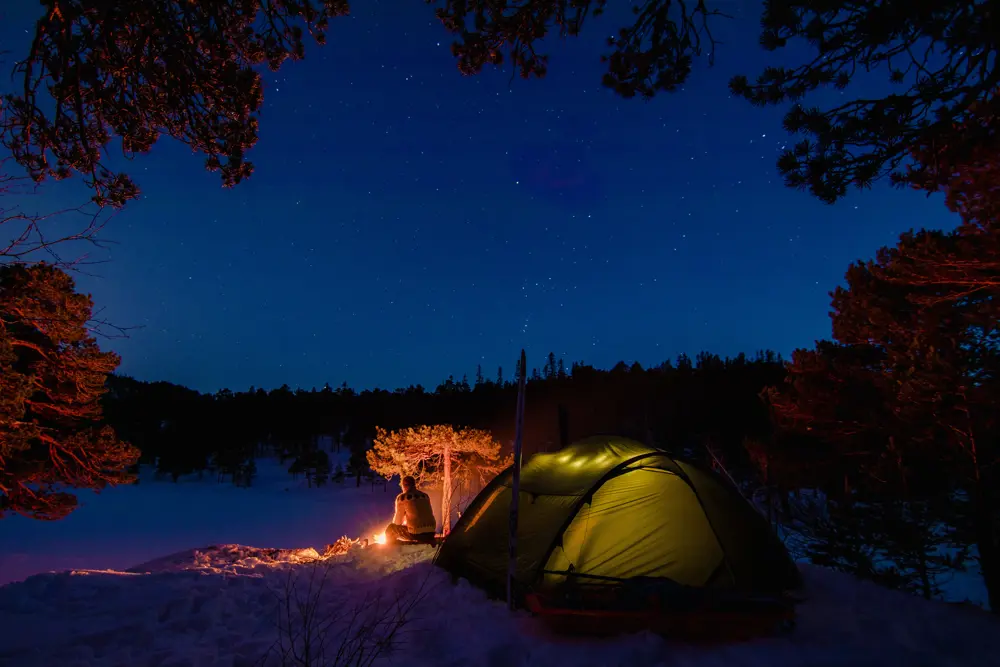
414,518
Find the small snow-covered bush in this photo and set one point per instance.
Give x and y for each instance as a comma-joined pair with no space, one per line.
320,626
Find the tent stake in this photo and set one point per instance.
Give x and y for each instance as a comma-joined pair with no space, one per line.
516,481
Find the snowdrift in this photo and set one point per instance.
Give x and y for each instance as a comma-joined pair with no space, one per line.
220,606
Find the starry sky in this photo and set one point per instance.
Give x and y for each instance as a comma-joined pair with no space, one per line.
406,223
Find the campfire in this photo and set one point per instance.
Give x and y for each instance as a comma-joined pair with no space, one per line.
345,544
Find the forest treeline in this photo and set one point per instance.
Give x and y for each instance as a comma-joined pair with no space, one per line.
687,404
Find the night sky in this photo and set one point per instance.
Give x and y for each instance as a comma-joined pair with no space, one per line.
405,223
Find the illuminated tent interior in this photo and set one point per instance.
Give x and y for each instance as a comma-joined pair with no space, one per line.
610,509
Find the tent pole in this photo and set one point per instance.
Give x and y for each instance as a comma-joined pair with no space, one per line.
516,481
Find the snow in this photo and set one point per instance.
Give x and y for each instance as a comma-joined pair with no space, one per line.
218,606
118,600
128,525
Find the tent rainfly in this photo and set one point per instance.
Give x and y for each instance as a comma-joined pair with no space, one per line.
610,509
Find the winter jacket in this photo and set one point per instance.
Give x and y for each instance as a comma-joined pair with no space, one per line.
413,509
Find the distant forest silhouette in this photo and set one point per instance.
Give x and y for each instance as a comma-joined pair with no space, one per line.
706,407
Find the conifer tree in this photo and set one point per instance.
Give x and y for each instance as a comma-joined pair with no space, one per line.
437,455
319,462
908,393
52,378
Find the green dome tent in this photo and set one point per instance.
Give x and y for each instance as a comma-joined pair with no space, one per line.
609,510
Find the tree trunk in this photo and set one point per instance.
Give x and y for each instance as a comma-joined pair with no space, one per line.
563,426
989,550
925,580
768,488
786,506
446,492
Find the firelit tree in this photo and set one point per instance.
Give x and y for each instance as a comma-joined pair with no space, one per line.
52,376
885,499
920,423
961,268
437,455
952,366
838,395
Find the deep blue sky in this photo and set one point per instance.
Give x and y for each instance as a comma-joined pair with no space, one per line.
405,222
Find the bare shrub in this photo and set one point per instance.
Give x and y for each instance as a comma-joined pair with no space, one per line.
318,628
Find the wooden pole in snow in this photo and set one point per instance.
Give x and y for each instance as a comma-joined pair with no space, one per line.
516,482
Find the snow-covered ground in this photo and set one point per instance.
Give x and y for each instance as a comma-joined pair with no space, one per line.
221,607
124,602
127,525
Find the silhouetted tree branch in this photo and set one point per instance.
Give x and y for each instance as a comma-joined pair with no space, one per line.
941,55
99,70
653,54
138,70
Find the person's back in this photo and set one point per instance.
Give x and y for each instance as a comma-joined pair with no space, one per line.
413,509
414,518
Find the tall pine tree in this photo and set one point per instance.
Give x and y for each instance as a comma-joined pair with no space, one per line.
908,395
52,378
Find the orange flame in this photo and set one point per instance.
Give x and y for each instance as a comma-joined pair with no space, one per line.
379,538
